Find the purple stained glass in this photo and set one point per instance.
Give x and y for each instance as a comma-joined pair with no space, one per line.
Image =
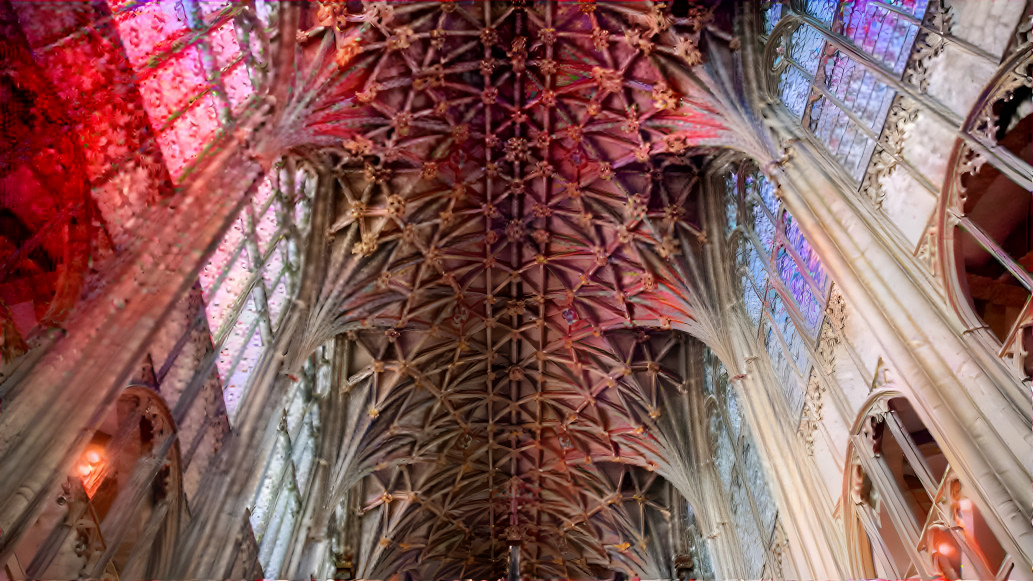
880,31
856,87
840,135
803,250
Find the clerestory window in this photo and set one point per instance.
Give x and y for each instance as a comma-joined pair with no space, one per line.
824,55
780,279
743,480
197,65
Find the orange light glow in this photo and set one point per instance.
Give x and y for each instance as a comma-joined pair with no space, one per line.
92,470
945,548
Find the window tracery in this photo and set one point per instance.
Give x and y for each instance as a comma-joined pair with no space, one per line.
197,64
743,481
254,271
986,219
839,99
781,281
912,507
278,502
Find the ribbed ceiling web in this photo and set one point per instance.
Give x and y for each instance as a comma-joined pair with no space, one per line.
513,205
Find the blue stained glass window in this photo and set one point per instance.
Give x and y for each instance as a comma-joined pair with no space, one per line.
757,271
804,251
823,10
732,204
763,227
805,47
754,306
744,483
860,102
726,394
778,247
772,14
765,190
724,454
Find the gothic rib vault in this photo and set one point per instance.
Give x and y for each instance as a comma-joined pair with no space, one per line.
513,253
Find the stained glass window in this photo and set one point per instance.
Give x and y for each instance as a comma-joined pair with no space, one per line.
743,480
196,64
840,100
277,502
253,273
781,281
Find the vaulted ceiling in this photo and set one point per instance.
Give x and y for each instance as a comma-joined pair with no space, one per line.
512,243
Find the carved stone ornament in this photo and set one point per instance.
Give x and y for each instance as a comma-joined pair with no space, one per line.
779,548
899,120
873,427
1023,34
812,411
926,253
928,44
986,123
828,340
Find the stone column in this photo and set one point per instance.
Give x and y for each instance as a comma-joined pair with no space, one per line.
955,388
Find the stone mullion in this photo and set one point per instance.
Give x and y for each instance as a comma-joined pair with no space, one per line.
213,75
948,38
310,539
895,306
714,494
1008,163
775,283
810,528
864,128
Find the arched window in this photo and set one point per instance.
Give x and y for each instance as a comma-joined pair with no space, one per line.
987,219
742,478
197,65
916,515
780,279
702,562
278,500
254,272
825,58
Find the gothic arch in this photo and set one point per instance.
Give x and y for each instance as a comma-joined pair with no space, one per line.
974,238
905,508
120,508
